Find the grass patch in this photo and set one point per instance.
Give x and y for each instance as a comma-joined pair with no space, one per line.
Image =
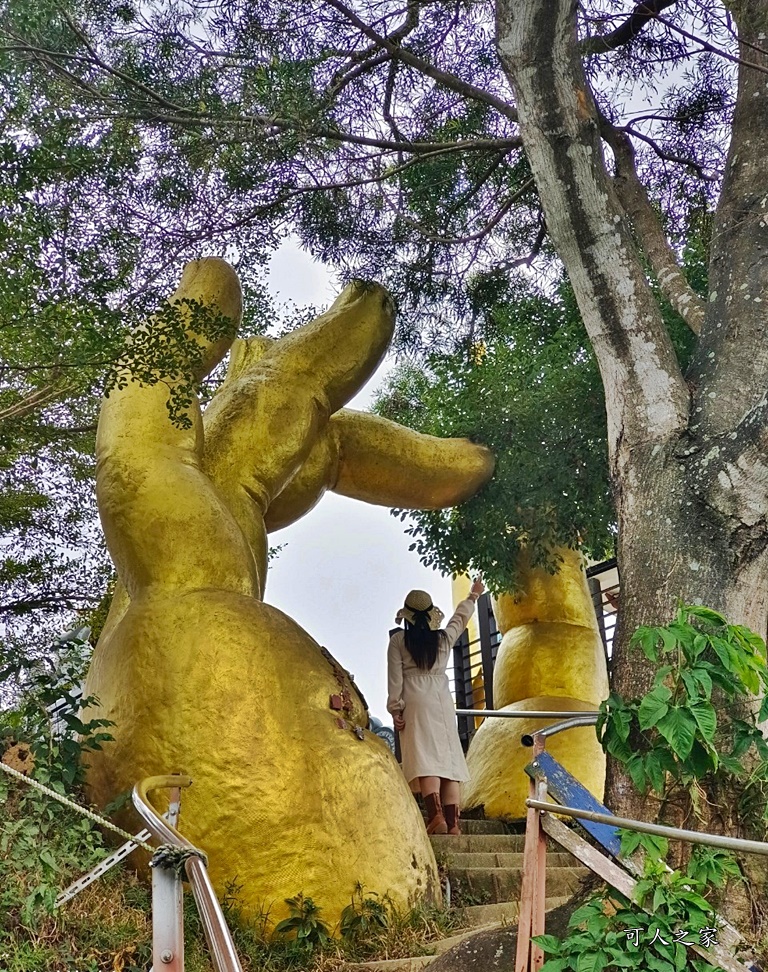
44,846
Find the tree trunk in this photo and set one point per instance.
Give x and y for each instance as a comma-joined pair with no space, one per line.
687,453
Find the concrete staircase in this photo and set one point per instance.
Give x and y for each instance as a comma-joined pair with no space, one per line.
484,868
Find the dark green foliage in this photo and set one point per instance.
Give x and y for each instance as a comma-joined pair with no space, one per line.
44,846
50,715
527,386
137,136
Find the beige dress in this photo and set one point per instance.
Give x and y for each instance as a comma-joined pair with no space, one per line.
430,742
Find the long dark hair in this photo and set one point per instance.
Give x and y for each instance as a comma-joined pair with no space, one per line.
422,643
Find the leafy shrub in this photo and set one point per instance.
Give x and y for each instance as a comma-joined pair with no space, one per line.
675,734
365,916
674,737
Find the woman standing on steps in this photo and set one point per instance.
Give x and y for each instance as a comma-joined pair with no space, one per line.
422,706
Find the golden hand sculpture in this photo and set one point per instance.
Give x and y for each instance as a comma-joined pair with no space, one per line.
203,678
551,658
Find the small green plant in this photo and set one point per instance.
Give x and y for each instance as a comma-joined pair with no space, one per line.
49,717
309,928
365,916
624,937
675,734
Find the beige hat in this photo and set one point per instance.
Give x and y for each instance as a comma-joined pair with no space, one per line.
419,603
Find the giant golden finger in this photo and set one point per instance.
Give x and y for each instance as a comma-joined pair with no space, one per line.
166,525
389,465
370,458
264,423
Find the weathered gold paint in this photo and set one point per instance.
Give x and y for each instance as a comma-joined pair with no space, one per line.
200,676
551,657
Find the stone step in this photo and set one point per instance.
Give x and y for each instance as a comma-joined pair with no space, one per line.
514,860
484,827
505,912
497,884
445,844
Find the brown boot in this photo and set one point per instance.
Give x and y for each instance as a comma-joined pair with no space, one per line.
452,818
435,820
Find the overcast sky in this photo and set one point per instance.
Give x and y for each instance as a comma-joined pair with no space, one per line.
345,568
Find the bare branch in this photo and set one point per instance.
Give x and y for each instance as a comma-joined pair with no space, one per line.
526,261
341,81
669,156
35,400
706,46
365,60
644,12
637,205
450,81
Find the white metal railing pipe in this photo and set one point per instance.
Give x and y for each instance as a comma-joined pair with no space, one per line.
217,933
582,719
520,714
673,833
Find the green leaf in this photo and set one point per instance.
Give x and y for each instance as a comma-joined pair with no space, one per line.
636,769
653,706
589,962
657,964
701,676
556,965
655,771
705,614
647,638
47,858
701,761
548,943
668,639
706,719
724,652
699,646
678,727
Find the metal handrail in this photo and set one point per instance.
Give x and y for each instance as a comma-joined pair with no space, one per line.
215,927
520,714
674,833
583,719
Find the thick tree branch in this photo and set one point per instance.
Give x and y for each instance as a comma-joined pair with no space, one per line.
637,21
637,205
646,397
367,59
667,156
154,108
32,402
